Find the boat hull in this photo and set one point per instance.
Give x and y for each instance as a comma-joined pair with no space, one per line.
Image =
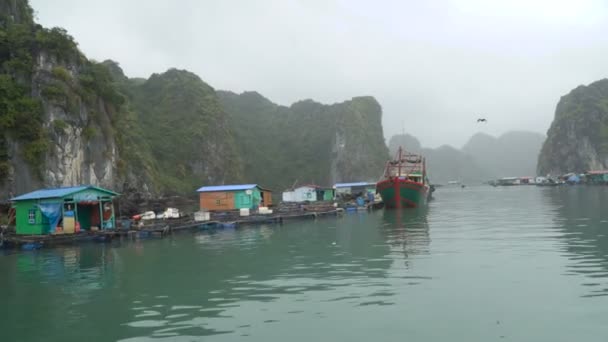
400,193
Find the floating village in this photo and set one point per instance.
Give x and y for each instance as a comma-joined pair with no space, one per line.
67,215
596,177
55,216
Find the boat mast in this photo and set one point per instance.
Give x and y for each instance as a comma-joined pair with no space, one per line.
400,161
423,170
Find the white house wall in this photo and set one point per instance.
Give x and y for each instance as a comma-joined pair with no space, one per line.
300,194
289,196
305,193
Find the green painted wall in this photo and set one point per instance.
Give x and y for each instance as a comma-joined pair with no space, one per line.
328,195
22,210
242,200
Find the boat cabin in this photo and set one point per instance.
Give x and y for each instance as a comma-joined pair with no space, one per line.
407,166
64,210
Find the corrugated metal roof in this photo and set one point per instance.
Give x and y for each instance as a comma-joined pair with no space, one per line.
235,187
57,192
349,185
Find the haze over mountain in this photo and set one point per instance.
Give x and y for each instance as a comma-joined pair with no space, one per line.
67,120
482,158
512,154
435,66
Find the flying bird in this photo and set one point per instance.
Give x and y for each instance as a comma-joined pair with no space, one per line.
482,120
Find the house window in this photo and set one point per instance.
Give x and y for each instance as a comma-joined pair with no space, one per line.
218,202
31,216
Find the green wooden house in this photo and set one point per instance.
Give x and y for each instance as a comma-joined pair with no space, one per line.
64,210
234,197
597,177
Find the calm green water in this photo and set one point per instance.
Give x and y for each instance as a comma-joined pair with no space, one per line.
481,264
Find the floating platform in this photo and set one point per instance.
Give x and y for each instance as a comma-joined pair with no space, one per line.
157,229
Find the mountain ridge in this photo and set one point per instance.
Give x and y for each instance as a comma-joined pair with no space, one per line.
477,160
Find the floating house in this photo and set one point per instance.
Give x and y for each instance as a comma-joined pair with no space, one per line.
507,181
234,197
354,188
310,193
527,180
597,177
64,210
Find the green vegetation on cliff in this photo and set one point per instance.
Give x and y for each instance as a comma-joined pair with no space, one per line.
186,129
307,142
43,67
20,114
65,119
577,140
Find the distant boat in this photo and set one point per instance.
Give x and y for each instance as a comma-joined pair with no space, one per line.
404,184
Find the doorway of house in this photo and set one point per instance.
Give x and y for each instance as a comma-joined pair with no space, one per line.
86,212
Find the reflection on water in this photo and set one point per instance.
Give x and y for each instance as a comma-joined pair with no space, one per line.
407,231
475,257
583,219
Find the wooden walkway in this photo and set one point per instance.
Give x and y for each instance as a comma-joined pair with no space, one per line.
157,229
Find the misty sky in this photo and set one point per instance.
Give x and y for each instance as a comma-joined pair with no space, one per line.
434,66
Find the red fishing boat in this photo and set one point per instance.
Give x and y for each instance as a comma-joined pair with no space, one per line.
405,184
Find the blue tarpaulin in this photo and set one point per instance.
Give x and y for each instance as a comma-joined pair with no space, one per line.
574,179
52,211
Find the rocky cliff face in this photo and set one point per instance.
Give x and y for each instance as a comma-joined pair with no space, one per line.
83,150
360,152
307,142
577,140
65,120
56,123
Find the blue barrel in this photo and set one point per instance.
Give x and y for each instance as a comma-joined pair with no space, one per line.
360,201
126,224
